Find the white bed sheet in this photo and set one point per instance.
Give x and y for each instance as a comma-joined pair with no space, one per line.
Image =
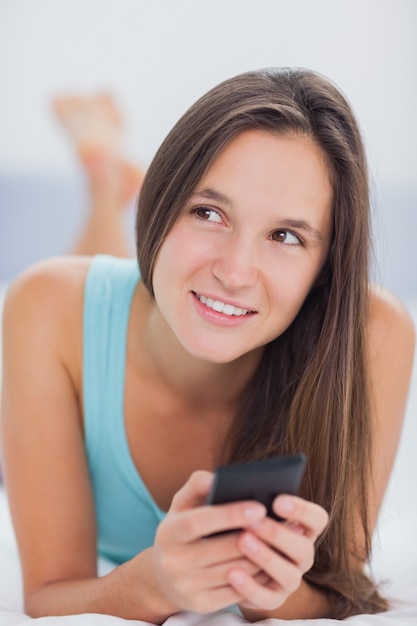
394,556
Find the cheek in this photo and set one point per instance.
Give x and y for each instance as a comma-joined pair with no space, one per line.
170,252
184,252
299,275
179,257
290,287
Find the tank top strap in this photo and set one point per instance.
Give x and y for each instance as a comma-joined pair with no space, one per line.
108,292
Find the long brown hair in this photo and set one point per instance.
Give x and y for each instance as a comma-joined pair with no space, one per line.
310,393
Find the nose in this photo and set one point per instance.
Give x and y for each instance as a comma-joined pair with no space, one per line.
235,266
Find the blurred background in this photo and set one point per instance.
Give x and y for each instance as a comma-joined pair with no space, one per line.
156,58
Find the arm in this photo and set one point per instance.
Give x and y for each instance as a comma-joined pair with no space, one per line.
49,488
45,465
390,354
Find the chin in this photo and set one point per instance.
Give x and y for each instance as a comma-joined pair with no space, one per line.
216,352
218,357
209,351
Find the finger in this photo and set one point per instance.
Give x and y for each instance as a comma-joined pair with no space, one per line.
267,597
291,542
312,517
194,492
280,569
208,520
216,575
218,549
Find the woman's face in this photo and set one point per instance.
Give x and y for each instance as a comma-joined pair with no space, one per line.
239,262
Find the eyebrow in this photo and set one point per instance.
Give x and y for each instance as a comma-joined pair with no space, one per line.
302,225
217,196
212,194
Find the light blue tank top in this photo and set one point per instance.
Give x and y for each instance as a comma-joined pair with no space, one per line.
127,516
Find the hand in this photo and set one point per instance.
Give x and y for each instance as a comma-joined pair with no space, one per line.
284,551
190,568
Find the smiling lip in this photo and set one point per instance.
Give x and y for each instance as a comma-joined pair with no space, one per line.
220,311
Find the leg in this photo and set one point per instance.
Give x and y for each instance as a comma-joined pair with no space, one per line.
94,126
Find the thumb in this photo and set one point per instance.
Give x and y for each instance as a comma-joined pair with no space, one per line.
194,492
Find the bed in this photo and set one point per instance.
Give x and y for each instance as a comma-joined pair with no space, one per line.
394,560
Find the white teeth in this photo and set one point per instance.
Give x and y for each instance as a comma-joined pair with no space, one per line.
222,307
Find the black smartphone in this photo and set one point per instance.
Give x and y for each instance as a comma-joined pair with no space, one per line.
258,480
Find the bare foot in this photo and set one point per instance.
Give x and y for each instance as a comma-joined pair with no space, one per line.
113,181
94,125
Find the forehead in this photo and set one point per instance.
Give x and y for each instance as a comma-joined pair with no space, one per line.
285,166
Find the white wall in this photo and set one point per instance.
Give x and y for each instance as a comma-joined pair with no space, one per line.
158,56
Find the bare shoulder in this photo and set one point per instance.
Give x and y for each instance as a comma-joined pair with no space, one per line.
390,326
43,307
44,291
391,342
51,278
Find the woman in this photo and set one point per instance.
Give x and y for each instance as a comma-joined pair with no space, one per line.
251,333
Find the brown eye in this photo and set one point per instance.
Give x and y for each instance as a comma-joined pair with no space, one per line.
286,237
207,214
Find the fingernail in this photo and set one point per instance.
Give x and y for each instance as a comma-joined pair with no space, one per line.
252,512
236,578
286,505
250,543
